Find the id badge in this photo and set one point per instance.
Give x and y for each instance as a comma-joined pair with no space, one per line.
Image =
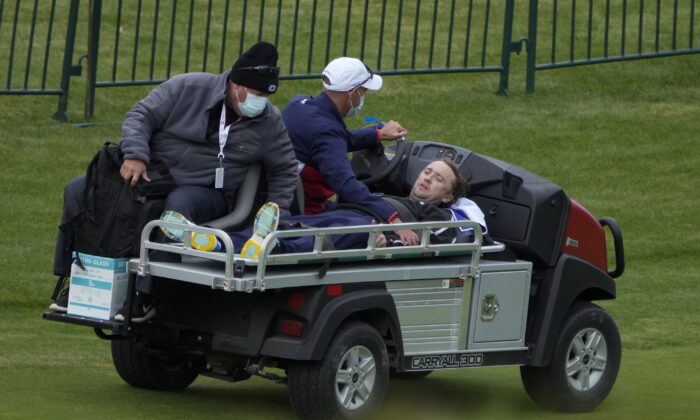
219,178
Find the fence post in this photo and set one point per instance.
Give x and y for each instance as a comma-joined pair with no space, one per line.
531,47
68,69
508,47
94,20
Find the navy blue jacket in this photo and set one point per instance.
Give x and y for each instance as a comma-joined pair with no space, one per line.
322,141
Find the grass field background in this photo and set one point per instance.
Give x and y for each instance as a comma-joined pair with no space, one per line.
622,139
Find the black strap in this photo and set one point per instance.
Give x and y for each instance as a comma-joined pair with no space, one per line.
323,270
79,261
404,212
59,286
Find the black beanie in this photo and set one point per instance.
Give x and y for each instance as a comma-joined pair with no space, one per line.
264,79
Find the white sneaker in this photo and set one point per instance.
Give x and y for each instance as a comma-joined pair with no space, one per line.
266,221
200,241
174,217
206,242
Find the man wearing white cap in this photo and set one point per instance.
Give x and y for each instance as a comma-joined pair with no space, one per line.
321,140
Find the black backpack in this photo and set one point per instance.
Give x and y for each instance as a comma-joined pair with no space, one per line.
114,212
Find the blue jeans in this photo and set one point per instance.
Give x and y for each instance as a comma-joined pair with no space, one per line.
198,204
72,203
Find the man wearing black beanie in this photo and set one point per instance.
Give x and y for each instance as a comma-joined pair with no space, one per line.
207,129
256,68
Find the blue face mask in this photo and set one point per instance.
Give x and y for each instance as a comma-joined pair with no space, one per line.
354,110
253,106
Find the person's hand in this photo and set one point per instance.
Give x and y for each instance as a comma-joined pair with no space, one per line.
408,237
380,240
132,170
392,131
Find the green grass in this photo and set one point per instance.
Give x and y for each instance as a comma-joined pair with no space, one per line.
622,139
60,371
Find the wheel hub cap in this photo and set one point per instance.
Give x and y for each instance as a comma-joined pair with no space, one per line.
355,378
586,359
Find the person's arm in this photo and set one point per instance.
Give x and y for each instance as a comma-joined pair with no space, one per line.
145,118
364,138
369,137
329,155
281,167
133,169
408,237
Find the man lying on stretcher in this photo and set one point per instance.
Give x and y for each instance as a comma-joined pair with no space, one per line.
437,195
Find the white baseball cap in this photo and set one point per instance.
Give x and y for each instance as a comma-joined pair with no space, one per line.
346,73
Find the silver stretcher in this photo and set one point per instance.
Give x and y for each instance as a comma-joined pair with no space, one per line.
228,271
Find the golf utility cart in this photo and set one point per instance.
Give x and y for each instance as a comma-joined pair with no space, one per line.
335,325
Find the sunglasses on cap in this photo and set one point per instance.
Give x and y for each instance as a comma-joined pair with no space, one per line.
371,75
265,70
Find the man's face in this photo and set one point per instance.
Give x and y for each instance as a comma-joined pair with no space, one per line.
236,94
434,185
355,96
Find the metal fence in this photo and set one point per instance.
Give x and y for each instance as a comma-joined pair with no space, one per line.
36,48
147,42
137,42
155,39
570,33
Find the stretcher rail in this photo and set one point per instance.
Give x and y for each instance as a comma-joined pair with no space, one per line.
235,266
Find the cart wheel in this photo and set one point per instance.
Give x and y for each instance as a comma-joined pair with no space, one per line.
159,372
350,380
584,365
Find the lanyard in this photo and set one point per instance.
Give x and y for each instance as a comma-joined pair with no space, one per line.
223,133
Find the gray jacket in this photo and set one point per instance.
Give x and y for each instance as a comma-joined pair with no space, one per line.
170,125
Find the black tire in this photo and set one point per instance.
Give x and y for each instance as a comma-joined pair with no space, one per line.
589,344
413,376
333,387
140,369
